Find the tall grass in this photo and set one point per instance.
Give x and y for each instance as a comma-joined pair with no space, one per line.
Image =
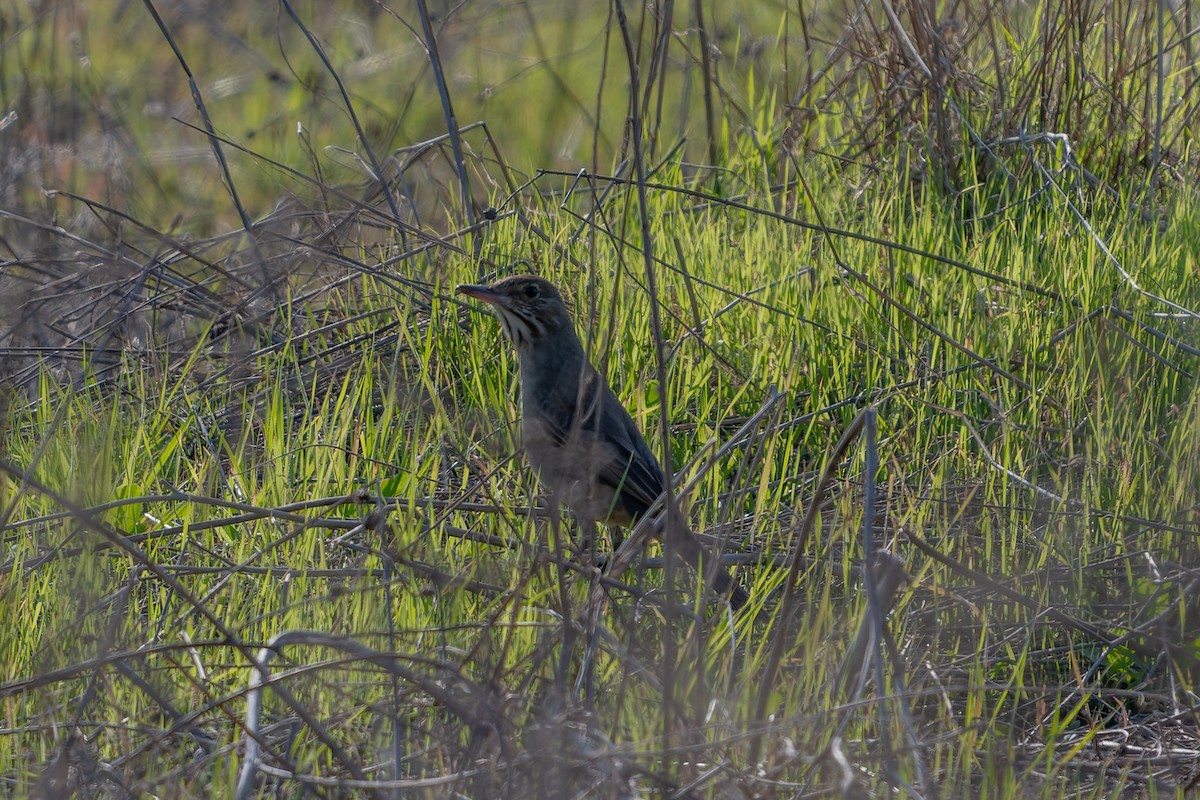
924,283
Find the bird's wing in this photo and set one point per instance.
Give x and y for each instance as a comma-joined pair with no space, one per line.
630,467
633,471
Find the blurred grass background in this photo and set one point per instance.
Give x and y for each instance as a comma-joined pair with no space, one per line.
243,409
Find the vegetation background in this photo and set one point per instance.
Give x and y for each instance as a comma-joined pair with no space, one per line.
910,285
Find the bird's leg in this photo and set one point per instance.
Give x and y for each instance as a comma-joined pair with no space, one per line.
601,558
587,540
616,537
554,517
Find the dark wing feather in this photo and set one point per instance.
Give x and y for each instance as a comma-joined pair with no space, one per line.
632,470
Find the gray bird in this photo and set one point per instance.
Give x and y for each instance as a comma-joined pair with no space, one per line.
578,437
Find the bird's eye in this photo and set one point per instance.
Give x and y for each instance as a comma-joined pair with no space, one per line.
531,292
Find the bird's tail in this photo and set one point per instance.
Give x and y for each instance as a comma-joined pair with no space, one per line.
724,583
685,542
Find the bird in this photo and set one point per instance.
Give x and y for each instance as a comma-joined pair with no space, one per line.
577,436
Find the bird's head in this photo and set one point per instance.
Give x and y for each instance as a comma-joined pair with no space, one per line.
530,309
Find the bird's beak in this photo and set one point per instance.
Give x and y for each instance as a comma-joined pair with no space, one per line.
480,292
